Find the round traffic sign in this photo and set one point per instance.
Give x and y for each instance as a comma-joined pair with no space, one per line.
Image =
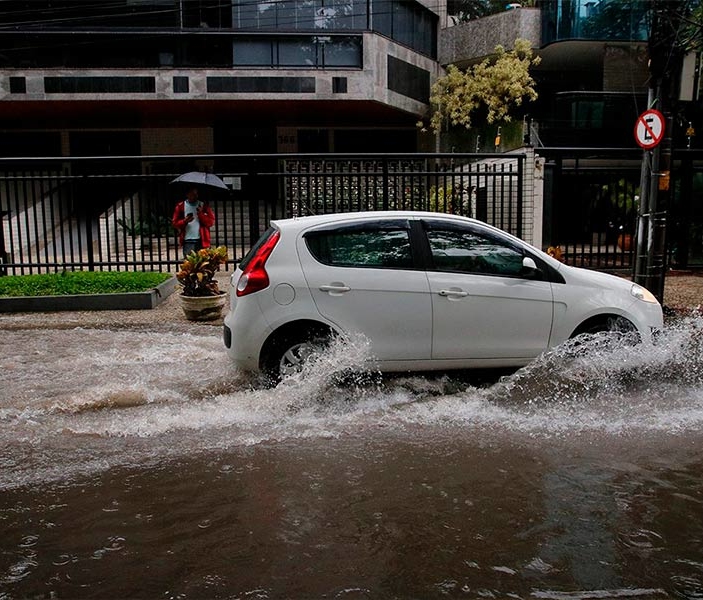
649,128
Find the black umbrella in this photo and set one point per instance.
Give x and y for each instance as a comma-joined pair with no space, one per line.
200,178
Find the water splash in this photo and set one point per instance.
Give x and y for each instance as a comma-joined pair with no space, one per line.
129,396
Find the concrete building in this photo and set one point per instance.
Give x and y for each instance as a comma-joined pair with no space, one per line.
215,76
244,76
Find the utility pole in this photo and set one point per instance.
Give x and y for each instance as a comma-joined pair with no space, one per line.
664,68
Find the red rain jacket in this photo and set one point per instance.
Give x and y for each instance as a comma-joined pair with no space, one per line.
206,217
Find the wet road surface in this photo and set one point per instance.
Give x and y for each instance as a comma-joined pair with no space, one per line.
139,464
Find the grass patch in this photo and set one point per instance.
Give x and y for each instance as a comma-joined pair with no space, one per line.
80,282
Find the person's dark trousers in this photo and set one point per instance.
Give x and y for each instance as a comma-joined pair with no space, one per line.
191,246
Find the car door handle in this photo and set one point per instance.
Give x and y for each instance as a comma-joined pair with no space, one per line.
453,293
335,288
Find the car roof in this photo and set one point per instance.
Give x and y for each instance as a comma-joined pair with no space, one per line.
301,223
297,225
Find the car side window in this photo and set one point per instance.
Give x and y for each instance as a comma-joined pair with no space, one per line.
467,251
373,248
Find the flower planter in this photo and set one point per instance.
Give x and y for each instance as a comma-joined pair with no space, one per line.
203,308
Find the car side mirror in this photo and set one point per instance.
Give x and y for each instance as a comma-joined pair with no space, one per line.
530,270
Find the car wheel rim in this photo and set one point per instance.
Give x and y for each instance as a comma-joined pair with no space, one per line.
295,358
620,325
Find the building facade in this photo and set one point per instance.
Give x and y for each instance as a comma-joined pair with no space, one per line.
219,77
214,76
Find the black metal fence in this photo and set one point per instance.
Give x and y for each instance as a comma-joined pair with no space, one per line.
114,213
591,204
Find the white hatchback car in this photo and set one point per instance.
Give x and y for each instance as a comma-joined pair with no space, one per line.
429,291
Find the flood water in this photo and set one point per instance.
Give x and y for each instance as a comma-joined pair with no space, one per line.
138,464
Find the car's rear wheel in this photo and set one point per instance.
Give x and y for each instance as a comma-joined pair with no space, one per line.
291,352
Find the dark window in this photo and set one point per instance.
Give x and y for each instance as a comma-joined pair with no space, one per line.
105,143
253,53
299,51
99,85
375,140
181,85
30,143
339,85
375,248
291,53
72,14
343,52
466,251
264,85
18,85
313,140
408,80
407,23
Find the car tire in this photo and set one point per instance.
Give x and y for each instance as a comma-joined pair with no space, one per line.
290,353
613,324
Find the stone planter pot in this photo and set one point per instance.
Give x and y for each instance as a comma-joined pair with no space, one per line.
203,308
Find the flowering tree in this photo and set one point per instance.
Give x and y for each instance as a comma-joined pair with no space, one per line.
498,84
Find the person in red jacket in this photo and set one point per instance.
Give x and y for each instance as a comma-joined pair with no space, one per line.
193,219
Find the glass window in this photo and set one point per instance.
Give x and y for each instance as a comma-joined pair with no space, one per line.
377,248
403,24
587,114
285,15
297,53
252,53
348,14
382,17
300,14
466,251
254,15
343,52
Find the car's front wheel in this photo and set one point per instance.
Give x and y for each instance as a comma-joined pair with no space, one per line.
609,324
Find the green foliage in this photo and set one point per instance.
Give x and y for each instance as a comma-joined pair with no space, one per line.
80,282
692,26
440,197
152,225
197,274
498,84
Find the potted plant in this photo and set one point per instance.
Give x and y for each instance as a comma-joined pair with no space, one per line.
201,297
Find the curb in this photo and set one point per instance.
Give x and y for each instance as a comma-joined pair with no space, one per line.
126,301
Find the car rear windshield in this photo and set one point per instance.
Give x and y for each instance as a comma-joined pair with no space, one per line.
255,248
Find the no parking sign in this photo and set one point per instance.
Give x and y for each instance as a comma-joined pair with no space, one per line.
649,128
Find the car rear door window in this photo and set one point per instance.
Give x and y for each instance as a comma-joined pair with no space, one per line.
370,248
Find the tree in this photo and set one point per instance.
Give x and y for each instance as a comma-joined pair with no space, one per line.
497,84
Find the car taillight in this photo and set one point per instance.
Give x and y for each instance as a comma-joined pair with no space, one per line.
254,276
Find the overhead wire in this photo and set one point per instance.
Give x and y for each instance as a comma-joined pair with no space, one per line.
58,17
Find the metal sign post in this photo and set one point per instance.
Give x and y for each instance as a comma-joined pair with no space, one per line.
650,129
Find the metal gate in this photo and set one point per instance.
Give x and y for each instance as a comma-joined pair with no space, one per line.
114,213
